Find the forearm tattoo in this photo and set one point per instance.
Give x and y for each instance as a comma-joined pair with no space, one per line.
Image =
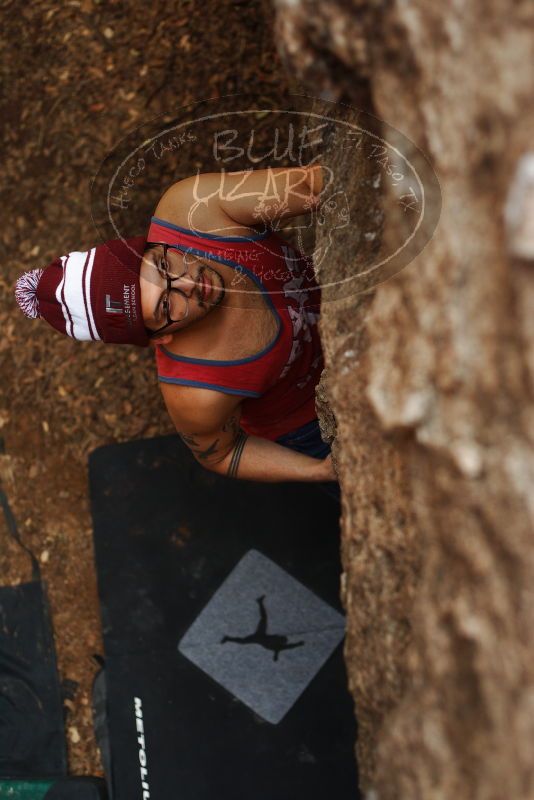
213,453
201,454
236,455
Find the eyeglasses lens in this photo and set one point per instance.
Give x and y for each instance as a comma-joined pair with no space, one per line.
175,303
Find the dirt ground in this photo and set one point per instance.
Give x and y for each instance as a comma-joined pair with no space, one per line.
79,76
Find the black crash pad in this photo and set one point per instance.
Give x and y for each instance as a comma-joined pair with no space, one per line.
223,631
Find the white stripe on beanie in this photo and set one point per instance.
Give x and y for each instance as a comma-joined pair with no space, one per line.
59,296
87,293
73,295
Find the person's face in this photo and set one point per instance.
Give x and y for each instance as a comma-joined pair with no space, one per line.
200,289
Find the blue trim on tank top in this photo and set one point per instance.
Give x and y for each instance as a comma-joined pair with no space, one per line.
264,291
203,235
199,384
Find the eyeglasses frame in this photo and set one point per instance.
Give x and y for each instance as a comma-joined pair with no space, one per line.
169,288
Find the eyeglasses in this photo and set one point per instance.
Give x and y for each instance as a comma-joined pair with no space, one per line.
174,302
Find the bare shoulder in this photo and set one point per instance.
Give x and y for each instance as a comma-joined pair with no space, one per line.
197,409
193,203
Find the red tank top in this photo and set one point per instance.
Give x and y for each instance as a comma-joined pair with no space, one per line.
278,383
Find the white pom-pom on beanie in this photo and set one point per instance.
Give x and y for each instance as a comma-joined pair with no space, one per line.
26,292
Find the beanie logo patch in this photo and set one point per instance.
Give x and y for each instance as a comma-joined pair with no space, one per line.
129,299
125,306
113,306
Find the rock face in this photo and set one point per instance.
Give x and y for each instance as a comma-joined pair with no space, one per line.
430,381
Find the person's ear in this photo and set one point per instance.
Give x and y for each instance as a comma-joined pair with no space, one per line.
165,338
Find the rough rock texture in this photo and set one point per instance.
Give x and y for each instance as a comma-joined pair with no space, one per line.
430,378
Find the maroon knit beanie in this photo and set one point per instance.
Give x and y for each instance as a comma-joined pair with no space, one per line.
93,295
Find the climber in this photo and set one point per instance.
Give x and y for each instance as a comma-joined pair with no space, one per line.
270,641
230,308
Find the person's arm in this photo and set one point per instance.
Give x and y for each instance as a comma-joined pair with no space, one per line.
208,422
256,459
267,195
215,200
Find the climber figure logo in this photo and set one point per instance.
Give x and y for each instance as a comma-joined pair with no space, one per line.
272,641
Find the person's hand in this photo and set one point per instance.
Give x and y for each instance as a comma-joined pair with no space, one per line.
326,471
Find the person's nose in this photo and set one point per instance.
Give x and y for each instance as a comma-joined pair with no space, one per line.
186,283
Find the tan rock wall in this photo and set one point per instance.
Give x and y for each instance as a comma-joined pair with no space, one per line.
430,378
